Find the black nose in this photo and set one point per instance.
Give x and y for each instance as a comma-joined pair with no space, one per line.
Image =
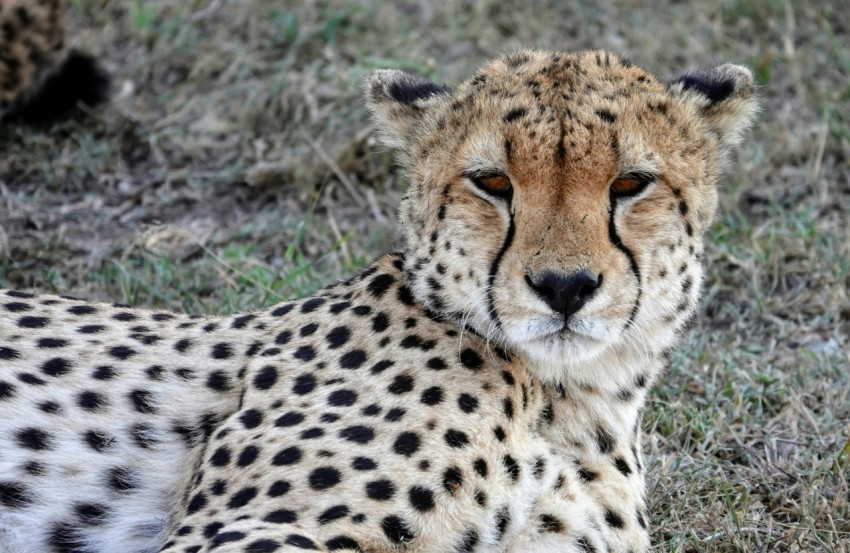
565,293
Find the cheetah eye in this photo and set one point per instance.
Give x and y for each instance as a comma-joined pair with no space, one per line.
630,185
495,184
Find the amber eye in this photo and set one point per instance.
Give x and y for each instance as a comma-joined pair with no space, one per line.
495,184
630,185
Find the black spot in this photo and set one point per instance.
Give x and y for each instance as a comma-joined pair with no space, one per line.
379,285
452,479
508,407
470,540
308,329
353,359
289,419
14,495
622,466
143,436
357,434
503,520
456,438
421,499
221,457
539,467
514,114
587,475
381,366
82,310
91,401
342,398
33,322
143,401
242,320
432,396
380,322
222,351
34,439
481,468
226,537
261,546
396,529
304,384
604,440
550,524
380,490
56,367
305,353
278,488
9,354
467,403
7,390
31,379
401,384
606,115
407,443
437,364
499,432
301,542
708,84
323,478
64,537
122,479
312,433
242,498
281,516
282,310
613,519
413,88
333,513
470,359
91,514
121,352
405,296
91,329
248,456
288,456
265,378
363,463
312,304
512,467
51,343
395,414
342,542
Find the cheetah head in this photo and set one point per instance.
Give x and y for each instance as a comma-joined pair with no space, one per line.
558,203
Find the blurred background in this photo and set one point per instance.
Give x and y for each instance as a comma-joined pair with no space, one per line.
235,167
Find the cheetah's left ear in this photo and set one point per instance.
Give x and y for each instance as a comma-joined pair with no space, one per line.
398,101
725,96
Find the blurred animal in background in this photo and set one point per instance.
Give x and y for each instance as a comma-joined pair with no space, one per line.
41,78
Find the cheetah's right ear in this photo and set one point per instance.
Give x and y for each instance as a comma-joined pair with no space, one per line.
725,97
398,100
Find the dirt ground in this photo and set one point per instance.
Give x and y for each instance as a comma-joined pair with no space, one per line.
235,166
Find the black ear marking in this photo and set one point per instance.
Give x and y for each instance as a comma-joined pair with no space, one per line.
412,88
709,84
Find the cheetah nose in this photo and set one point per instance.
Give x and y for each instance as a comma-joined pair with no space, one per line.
565,294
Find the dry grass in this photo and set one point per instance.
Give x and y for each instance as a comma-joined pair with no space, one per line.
235,167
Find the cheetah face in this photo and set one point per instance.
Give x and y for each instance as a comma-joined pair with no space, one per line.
557,203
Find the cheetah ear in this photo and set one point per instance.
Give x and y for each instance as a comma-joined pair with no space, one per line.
398,101
725,96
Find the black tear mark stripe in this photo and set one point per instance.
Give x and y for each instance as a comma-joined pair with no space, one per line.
618,243
494,268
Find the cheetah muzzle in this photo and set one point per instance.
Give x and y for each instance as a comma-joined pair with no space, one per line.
480,390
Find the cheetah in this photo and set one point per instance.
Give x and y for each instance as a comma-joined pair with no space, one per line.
479,390
41,78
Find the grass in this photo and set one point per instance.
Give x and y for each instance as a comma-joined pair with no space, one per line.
235,167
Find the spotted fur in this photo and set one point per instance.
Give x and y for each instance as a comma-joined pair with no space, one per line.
478,391
41,78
